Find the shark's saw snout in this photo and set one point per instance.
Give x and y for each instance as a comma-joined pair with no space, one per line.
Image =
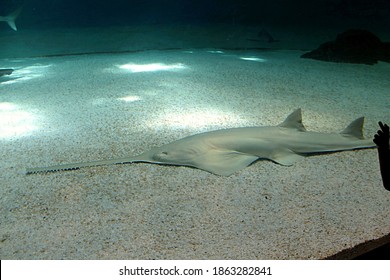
226,151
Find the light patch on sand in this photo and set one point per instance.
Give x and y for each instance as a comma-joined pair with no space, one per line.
27,73
130,98
7,106
151,67
193,120
15,122
217,52
252,58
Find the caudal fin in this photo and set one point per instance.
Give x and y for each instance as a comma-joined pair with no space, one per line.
10,19
355,129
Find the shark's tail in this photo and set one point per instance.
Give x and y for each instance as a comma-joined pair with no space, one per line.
10,19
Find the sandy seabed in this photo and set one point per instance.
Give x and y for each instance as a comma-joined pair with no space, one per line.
66,109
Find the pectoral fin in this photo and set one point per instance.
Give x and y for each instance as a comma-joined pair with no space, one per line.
224,162
285,157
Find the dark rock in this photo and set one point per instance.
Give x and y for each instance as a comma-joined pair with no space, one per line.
352,46
6,72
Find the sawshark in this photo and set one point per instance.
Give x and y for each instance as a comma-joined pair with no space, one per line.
226,151
10,19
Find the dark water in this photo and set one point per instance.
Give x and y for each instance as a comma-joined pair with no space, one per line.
81,13
55,26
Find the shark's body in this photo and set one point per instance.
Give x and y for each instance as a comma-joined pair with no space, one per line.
226,151
10,19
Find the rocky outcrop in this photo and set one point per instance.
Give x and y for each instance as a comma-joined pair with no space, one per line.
352,46
6,72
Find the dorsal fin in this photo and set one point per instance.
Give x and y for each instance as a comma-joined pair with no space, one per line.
355,129
294,120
